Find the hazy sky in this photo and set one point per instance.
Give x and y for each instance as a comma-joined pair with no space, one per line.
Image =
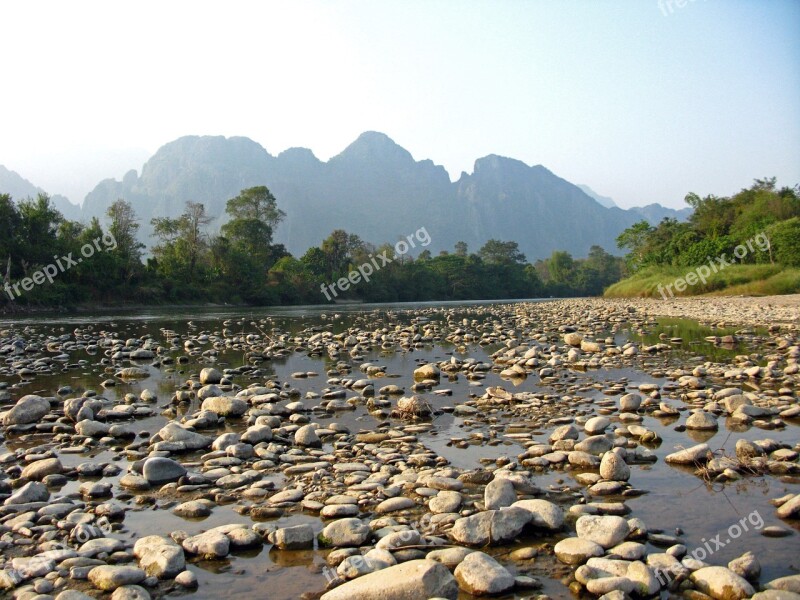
641,101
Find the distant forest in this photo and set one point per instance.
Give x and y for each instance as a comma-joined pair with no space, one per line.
49,261
759,225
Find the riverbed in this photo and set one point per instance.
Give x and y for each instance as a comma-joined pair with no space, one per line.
303,354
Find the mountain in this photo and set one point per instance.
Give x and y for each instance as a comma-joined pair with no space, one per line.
655,213
373,188
20,188
602,200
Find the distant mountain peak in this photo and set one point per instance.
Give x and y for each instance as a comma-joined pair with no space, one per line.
372,145
602,200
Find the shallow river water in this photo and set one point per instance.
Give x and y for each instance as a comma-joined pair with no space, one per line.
672,499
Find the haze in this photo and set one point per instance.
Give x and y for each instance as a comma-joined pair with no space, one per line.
641,101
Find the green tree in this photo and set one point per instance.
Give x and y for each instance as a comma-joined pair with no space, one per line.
182,253
635,239
124,227
501,253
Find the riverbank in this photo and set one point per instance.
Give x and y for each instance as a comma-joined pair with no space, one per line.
533,449
756,280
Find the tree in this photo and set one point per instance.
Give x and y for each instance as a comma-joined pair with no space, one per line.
39,222
501,253
124,228
183,243
338,249
560,266
461,248
634,239
254,215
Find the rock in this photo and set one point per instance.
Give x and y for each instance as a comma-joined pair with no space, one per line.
573,339
186,579
172,432
491,526
132,373
746,566
499,493
543,513
595,444
606,530
449,557
695,455
412,580
790,509
776,595
614,468
158,470
394,504
307,437
445,502
345,533
790,583
130,592
30,492
721,583
576,551
225,406
702,420
596,425
91,428
643,578
107,577
209,391
605,585
210,375
102,545
211,544
28,409
630,402
298,537
429,371
38,470
480,574
193,509
159,556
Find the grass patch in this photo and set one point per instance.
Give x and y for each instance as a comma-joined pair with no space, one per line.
735,280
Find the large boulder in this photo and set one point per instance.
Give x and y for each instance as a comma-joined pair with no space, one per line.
159,556
159,470
225,406
721,583
189,440
410,580
480,574
28,409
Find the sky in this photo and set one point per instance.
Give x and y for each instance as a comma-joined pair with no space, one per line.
643,100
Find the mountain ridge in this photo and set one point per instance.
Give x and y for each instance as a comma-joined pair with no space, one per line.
374,188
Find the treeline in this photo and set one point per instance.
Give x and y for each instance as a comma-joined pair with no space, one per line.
242,265
759,225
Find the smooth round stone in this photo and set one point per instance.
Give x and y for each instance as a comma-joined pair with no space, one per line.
337,511
596,425
606,530
394,504
576,551
445,502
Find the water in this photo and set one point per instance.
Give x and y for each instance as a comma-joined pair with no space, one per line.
675,498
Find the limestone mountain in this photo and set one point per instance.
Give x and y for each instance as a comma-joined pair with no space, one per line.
373,188
20,188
